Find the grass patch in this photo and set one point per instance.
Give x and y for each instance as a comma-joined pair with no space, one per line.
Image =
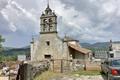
83,72
47,75
50,75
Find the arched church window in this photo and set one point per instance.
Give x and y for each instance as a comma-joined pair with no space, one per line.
44,28
50,27
45,21
49,13
50,20
48,43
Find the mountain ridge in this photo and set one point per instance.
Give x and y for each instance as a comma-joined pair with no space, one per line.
26,49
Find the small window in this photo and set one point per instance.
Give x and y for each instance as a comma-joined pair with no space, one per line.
111,55
50,28
107,63
48,43
50,20
47,56
45,20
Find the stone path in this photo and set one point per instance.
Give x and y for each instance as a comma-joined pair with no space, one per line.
98,77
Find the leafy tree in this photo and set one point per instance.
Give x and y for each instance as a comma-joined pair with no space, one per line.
1,40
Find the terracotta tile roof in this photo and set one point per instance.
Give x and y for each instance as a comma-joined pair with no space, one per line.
79,49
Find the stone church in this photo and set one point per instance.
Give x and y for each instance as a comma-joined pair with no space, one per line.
51,46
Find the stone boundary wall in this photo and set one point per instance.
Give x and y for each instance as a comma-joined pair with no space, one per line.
31,69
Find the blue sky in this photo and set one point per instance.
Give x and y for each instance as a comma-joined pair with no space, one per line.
86,20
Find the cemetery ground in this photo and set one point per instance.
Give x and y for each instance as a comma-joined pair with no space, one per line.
77,75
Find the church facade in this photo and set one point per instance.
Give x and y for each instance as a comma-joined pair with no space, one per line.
51,46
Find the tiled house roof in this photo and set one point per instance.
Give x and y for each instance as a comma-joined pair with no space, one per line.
79,49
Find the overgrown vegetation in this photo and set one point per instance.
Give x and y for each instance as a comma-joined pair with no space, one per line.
15,52
7,58
47,75
1,41
83,72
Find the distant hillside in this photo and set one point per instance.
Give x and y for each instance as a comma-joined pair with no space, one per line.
8,48
17,51
101,45
8,51
86,45
26,50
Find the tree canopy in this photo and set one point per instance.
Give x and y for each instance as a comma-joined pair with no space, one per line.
1,40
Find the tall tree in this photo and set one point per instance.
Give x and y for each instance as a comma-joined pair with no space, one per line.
1,40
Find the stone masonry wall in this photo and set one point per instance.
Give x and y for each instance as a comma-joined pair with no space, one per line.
55,48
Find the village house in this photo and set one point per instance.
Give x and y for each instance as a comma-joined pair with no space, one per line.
114,50
100,53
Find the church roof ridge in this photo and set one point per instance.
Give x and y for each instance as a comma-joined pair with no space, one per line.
67,38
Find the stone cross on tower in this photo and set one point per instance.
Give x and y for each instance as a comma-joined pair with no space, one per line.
48,21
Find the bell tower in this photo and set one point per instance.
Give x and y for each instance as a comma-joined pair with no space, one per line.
48,21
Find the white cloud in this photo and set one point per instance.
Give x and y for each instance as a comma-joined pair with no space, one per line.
71,17
86,20
3,4
24,11
14,14
13,27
